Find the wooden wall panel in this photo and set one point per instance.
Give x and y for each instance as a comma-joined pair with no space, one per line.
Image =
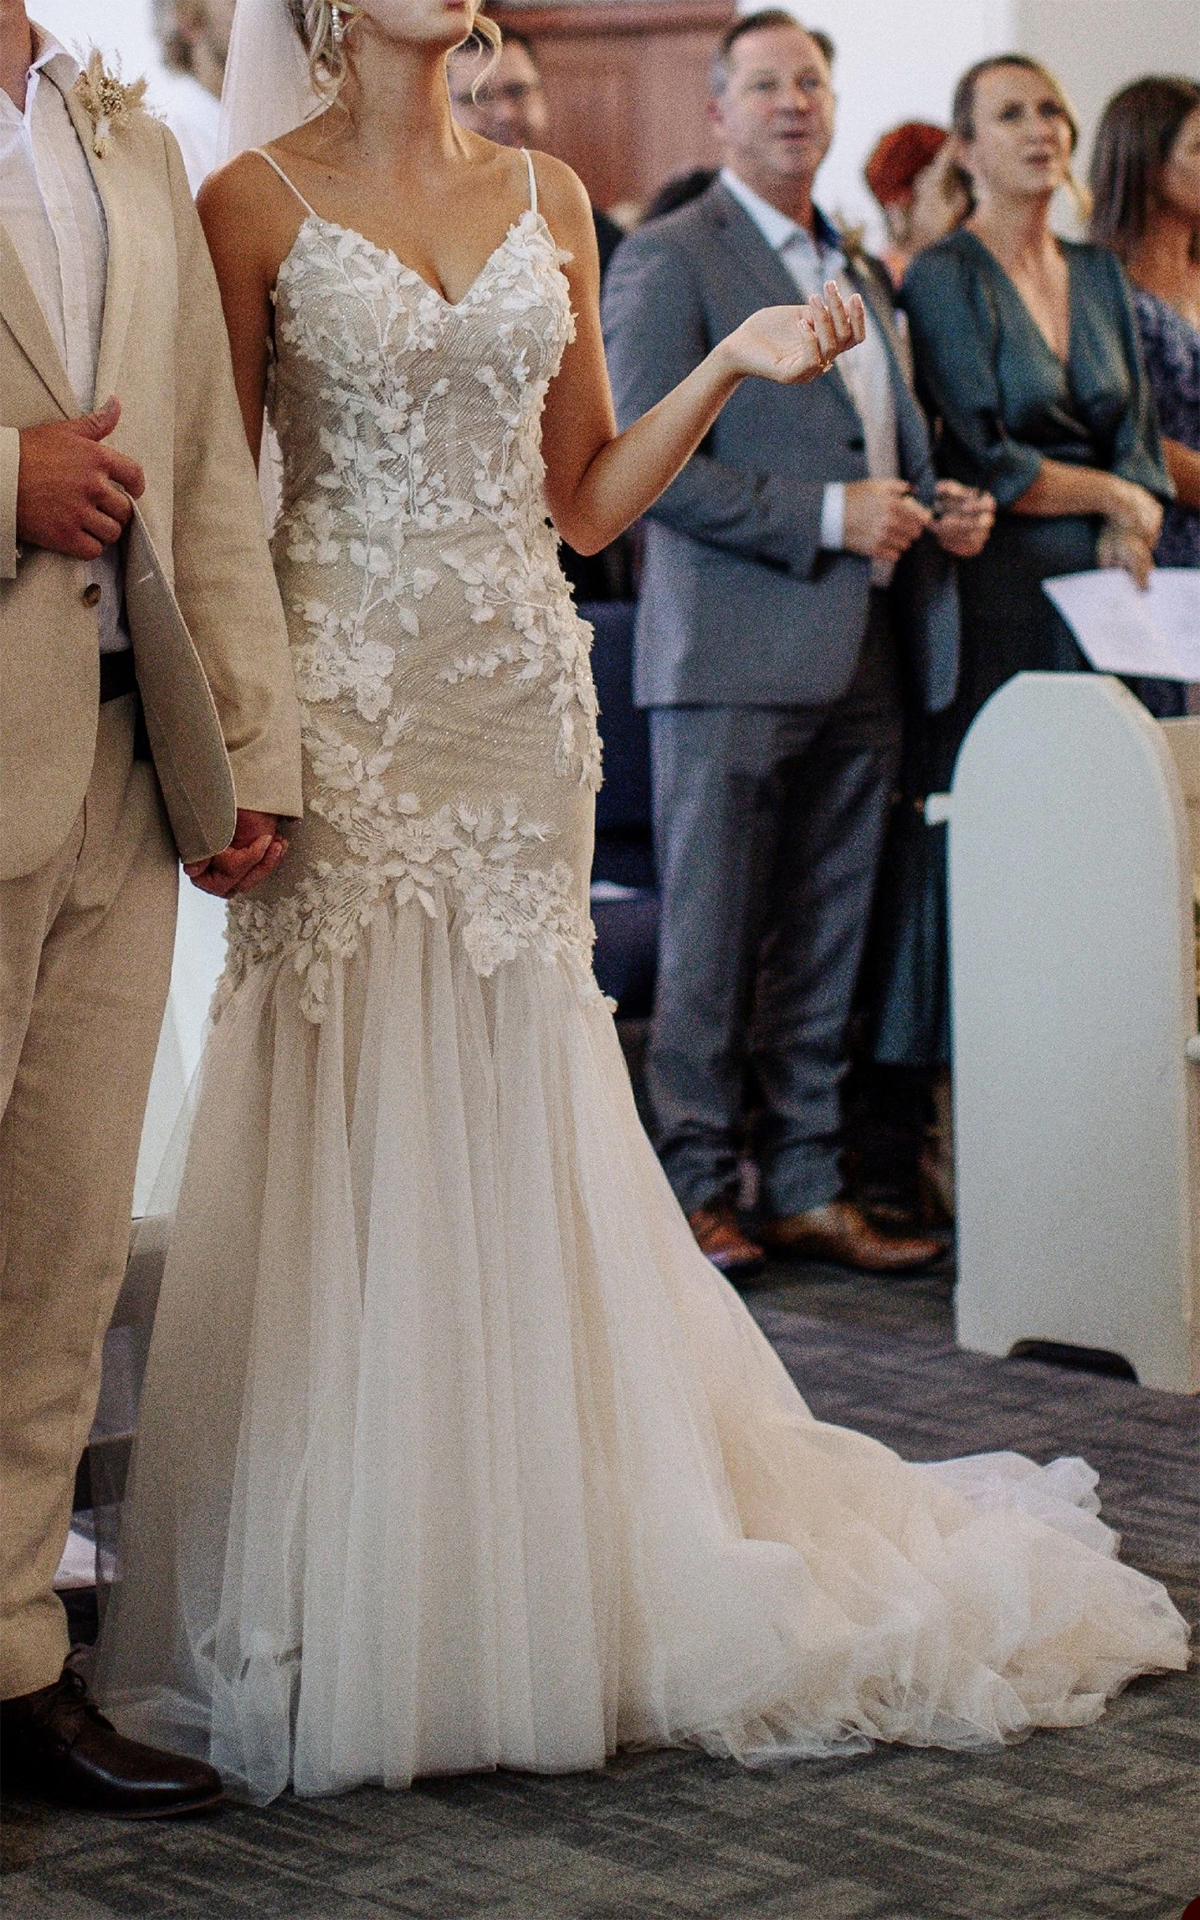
627,85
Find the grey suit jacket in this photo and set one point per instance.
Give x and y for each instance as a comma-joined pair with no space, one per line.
740,605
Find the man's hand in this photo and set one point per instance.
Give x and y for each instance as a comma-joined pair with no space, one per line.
255,851
882,518
75,495
963,518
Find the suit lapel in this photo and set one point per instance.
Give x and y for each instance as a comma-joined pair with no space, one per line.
757,258
124,251
881,311
739,234
23,316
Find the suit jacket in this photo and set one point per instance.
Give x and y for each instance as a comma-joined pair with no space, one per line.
208,631
740,605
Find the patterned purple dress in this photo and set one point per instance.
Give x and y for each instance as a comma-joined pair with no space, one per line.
1171,349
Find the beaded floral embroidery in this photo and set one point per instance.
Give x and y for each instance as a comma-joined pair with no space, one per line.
426,607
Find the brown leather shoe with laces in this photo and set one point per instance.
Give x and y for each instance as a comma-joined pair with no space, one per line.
840,1233
58,1746
721,1240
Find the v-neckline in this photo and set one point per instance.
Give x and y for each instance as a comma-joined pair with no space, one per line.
389,254
1061,361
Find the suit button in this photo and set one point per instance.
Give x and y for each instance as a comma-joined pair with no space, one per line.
91,594
857,444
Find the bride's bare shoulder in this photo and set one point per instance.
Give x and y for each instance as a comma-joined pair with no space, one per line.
237,196
236,185
249,214
560,190
563,201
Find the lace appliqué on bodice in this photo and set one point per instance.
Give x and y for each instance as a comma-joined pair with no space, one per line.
448,711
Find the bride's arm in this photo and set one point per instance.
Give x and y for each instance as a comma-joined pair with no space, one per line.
246,249
599,481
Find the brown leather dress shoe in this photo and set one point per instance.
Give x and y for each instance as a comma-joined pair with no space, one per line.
840,1233
58,1746
721,1240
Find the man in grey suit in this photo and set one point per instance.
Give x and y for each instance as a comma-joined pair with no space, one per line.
796,590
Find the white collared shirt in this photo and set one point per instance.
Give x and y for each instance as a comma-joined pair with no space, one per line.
865,370
55,220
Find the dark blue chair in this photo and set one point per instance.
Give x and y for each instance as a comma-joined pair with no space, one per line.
624,898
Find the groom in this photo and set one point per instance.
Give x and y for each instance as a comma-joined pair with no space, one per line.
148,714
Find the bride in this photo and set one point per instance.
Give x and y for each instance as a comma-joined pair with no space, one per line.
454,1450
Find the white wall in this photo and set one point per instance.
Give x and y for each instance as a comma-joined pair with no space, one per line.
116,27
121,26
1098,46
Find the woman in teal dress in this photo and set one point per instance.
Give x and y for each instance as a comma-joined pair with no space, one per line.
1027,361
1027,355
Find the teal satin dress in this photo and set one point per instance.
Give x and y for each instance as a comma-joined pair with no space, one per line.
1001,401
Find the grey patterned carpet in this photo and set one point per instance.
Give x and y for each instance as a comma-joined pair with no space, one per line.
1098,1821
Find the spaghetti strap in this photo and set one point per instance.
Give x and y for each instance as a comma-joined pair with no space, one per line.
533,206
274,164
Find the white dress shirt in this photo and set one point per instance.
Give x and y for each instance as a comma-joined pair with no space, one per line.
55,220
811,260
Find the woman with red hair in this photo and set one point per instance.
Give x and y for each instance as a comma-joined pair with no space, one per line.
912,174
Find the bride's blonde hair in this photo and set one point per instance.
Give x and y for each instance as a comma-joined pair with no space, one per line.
323,26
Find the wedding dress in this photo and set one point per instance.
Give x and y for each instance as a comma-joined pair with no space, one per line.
454,1451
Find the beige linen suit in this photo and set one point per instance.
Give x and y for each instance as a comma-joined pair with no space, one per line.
89,834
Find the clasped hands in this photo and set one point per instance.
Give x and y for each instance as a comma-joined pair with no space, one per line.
884,517
254,852
75,496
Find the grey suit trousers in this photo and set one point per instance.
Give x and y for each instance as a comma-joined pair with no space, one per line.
768,824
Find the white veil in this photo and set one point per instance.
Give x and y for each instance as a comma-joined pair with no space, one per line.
267,92
267,87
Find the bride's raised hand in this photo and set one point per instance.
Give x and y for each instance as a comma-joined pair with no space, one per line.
795,344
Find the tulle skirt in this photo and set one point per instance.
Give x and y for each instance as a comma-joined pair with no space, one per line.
455,1453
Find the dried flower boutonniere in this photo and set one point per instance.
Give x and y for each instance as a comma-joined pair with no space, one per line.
107,101
854,246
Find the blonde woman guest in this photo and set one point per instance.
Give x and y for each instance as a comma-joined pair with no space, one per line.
1026,352
455,1452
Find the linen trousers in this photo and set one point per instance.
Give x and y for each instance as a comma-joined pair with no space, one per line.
85,964
768,828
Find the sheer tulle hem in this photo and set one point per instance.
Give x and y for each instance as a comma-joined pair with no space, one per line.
455,1452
